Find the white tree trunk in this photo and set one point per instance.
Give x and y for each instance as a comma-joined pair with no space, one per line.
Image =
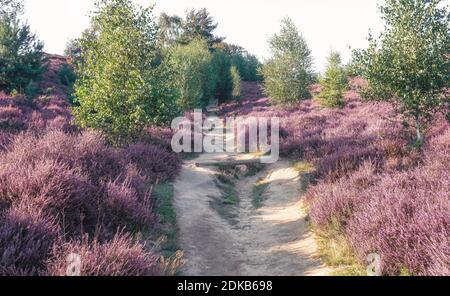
418,131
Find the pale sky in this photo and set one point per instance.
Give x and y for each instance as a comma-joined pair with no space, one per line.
326,24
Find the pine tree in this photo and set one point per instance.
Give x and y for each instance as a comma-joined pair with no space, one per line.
21,56
334,82
236,78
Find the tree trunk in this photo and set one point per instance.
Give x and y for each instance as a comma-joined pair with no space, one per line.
418,131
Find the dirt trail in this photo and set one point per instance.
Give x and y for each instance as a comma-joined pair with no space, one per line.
271,240
271,237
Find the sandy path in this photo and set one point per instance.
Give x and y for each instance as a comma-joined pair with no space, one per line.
271,240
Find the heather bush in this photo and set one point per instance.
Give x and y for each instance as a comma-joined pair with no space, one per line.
160,136
26,240
288,74
11,119
118,257
401,216
96,159
78,179
140,183
346,160
334,203
17,113
159,165
123,206
405,220
5,139
56,188
62,193
87,152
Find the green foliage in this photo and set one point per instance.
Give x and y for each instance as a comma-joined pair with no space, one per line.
197,24
67,77
73,50
195,78
334,82
409,63
259,193
163,196
31,90
353,68
11,7
288,74
170,29
246,63
21,56
222,65
121,88
251,68
236,79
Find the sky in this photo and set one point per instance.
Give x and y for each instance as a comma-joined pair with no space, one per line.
326,24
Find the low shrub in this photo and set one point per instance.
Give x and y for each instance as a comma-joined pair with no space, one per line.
118,257
346,160
159,165
56,188
26,240
61,192
405,220
334,203
123,206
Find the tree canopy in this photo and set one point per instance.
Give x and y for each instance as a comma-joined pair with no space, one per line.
288,73
409,62
121,86
21,56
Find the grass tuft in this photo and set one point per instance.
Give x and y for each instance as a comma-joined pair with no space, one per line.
336,252
227,202
259,193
